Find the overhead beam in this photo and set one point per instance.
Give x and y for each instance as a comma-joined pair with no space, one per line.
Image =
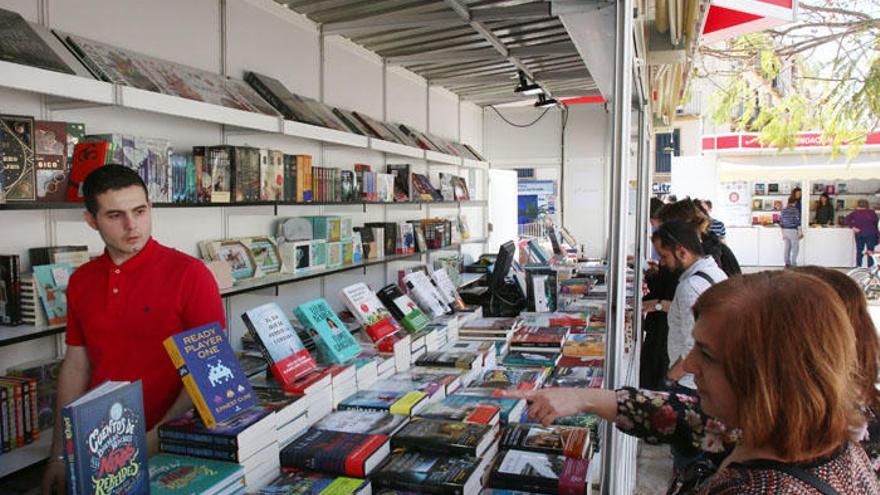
391,21
562,48
442,56
525,11
562,75
462,10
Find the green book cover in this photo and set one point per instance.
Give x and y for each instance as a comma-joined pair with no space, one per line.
175,474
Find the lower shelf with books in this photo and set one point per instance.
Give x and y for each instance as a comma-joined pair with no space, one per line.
26,456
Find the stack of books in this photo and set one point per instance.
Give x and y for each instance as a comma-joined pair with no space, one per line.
174,474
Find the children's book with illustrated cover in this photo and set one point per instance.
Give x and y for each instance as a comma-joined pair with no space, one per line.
211,373
51,282
172,474
105,442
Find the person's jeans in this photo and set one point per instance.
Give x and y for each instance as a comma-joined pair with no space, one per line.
791,245
865,243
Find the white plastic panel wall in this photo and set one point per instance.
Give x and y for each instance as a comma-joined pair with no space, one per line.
472,125
352,77
407,98
443,113
506,143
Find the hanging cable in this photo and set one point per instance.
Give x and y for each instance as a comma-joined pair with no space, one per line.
514,124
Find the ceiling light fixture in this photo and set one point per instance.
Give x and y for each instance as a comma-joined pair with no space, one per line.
544,102
524,88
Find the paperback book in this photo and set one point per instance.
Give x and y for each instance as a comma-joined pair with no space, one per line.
362,421
328,331
210,372
405,403
403,308
425,472
377,321
279,343
300,482
51,282
568,441
174,474
539,472
445,437
333,452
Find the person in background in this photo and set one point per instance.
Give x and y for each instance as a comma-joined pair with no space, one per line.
863,222
776,366
796,194
792,233
715,226
824,210
688,210
681,253
670,198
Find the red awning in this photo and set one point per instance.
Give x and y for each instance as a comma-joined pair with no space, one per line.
732,18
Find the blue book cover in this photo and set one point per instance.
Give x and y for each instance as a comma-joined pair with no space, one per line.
511,409
190,428
328,331
210,372
176,474
105,442
51,282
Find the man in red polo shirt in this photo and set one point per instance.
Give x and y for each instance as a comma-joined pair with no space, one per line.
123,304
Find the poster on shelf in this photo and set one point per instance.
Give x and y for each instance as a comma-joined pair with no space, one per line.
734,204
535,197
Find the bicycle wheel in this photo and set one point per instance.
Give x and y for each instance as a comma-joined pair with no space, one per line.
862,276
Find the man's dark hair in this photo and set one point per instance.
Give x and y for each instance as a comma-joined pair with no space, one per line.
111,177
656,204
675,233
708,203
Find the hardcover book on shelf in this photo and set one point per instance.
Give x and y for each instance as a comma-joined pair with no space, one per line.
333,452
384,187
402,180
279,343
105,441
233,251
569,441
219,161
51,282
403,308
461,189
210,372
447,186
267,258
531,359
174,474
10,290
474,153
539,472
376,319
362,421
51,154
297,481
271,175
129,68
20,43
445,437
351,122
330,334
425,472
375,127
277,95
17,150
425,294
423,188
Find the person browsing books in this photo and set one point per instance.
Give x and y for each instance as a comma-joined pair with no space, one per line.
863,222
792,233
789,429
123,304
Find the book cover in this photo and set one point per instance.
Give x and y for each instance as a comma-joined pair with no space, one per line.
247,164
210,372
280,98
299,482
503,378
449,359
511,409
220,172
51,282
303,178
105,441
425,294
569,441
362,421
581,376
328,331
444,436
10,290
175,474
425,190
402,180
279,343
21,44
333,452
50,158
376,319
426,472
469,412
17,150
403,308
532,336
532,359
447,186
541,472
395,402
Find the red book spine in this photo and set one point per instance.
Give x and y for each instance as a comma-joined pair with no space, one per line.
86,158
355,462
482,414
573,479
19,415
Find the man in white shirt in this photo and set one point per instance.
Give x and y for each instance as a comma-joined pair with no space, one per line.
678,244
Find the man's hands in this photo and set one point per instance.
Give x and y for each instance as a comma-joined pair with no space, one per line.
153,442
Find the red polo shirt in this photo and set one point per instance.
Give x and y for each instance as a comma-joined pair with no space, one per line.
121,314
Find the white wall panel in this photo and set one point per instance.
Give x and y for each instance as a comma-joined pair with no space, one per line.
182,229
407,98
22,230
29,9
278,45
506,143
352,77
20,102
472,125
183,32
443,113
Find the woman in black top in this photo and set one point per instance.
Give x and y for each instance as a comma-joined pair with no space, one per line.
824,211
